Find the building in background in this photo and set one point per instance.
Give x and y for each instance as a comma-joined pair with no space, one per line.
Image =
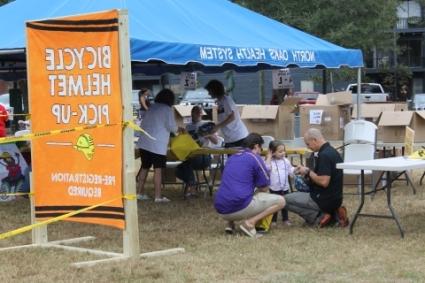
402,70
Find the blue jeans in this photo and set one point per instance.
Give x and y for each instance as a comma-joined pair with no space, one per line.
185,171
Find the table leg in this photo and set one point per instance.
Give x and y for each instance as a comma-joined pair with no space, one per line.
409,181
422,177
380,179
362,195
394,215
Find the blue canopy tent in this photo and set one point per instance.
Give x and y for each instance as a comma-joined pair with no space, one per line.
177,35
184,35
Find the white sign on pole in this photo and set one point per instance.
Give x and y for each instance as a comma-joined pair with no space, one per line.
307,86
188,80
282,79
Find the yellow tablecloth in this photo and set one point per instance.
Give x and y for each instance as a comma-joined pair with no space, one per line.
205,150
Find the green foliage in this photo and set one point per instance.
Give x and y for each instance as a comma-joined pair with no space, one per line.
394,78
2,2
349,23
355,24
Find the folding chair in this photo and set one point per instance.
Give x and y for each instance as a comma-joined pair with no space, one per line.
206,180
359,145
296,142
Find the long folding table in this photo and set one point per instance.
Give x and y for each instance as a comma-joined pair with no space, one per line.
392,164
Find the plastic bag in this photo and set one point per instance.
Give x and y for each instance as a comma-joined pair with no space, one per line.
264,224
300,184
182,146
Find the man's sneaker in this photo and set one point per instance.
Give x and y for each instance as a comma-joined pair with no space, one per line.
143,197
325,220
162,199
230,228
341,213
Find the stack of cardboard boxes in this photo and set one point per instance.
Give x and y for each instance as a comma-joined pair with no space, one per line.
392,125
392,119
330,114
271,120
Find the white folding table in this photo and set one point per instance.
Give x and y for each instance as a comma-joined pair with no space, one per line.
392,164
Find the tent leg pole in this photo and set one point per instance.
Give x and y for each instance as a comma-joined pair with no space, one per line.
359,90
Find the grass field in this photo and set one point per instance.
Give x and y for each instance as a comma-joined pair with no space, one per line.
374,253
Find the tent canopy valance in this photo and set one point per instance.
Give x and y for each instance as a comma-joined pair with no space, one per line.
191,34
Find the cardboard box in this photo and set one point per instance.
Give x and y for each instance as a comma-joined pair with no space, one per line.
401,106
169,176
214,111
329,119
372,111
214,114
335,98
261,119
330,114
182,114
392,125
271,120
418,125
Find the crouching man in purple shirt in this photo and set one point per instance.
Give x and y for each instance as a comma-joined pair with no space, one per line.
237,199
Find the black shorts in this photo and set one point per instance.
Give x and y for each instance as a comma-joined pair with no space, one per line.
150,158
234,144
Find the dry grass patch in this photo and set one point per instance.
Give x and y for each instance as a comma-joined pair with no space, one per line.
374,253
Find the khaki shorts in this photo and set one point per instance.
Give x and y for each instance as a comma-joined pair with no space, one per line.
259,203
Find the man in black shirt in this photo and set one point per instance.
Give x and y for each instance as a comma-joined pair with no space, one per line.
324,200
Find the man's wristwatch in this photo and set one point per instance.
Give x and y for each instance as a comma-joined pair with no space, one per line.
307,174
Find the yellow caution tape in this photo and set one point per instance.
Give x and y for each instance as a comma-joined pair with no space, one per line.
23,114
16,194
58,218
129,197
32,136
419,154
136,127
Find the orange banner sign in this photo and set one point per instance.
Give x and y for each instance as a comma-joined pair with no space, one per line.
74,80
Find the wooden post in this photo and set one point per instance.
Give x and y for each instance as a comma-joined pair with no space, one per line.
131,246
39,234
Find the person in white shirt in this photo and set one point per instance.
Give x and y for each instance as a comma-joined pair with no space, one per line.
159,122
280,169
229,121
185,171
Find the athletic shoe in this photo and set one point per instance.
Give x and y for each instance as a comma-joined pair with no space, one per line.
230,228
191,195
143,197
162,199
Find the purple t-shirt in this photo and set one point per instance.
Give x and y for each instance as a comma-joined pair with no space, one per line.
244,171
